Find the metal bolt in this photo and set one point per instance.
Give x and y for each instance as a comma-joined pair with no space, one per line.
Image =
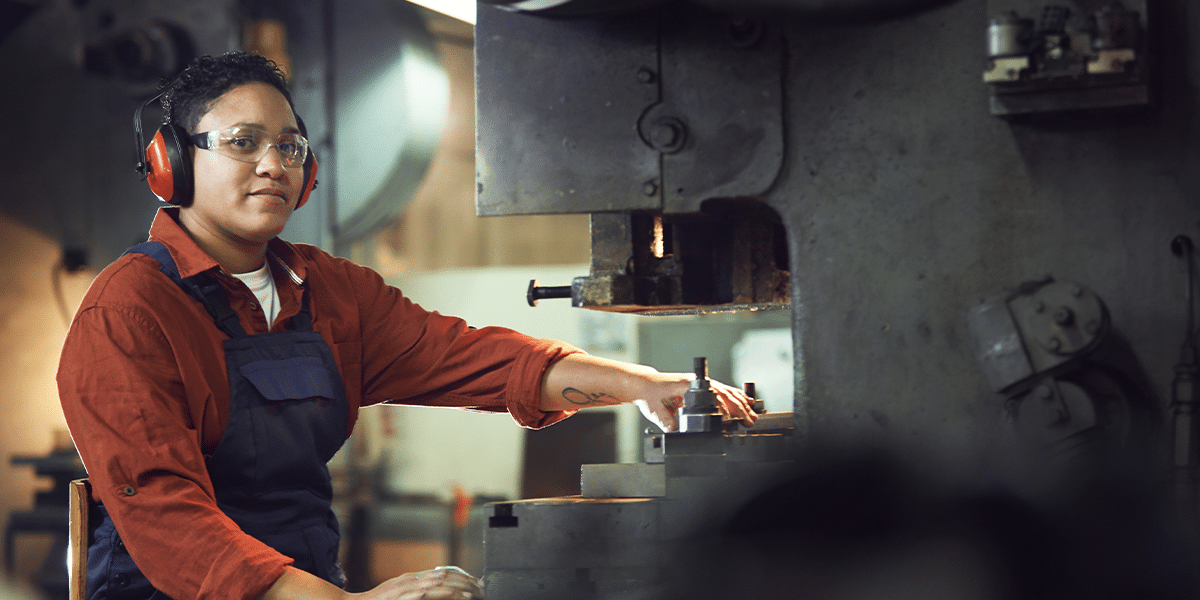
665,134
536,292
1054,343
1063,316
650,188
668,135
645,75
744,32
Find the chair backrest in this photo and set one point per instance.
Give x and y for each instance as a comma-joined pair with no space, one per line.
81,504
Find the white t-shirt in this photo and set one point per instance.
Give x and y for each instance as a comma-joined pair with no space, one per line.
263,285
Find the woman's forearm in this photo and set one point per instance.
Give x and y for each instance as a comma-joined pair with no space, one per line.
581,381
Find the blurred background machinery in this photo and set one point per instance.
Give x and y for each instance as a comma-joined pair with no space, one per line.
355,68
46,518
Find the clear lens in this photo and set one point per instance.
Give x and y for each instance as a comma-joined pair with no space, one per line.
250,145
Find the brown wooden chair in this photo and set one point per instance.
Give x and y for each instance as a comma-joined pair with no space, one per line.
82,504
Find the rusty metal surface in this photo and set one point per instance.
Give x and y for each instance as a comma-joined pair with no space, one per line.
732,257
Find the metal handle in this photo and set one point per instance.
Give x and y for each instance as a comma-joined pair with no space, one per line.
536,293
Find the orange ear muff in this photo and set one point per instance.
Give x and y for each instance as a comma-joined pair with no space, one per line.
168,168
310,178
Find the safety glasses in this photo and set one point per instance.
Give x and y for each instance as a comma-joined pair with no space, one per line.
249,145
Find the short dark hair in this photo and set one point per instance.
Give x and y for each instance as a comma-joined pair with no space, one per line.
192,93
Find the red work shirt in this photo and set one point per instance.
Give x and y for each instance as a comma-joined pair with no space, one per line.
145,392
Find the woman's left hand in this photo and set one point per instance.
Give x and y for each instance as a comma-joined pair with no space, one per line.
665,396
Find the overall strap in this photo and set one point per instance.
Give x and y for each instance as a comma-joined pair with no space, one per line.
201,286
302,321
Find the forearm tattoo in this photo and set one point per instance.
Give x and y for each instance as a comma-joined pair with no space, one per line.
582,398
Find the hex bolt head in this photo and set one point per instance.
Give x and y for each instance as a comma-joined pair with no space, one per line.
665,134
1063,316
668,135
744,33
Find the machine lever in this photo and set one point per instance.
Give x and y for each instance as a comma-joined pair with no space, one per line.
536,292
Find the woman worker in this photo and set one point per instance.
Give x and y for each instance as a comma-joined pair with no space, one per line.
212,372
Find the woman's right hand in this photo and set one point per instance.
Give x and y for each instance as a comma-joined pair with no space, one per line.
442,583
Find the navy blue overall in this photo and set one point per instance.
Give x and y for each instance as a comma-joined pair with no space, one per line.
288,416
